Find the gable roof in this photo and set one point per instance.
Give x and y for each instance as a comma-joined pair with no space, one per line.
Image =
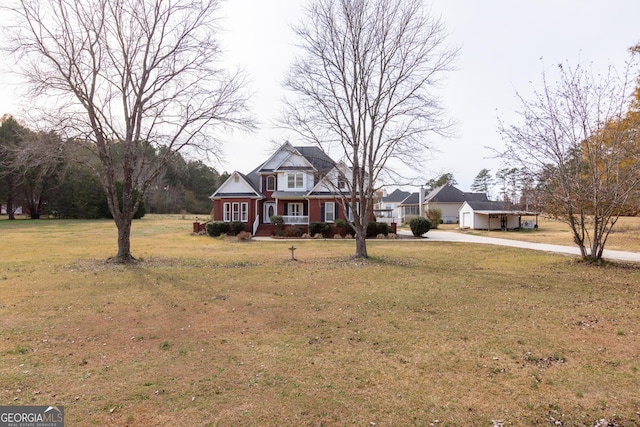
310,158
324,186
317,158
244,187
396,197
411,199
450,194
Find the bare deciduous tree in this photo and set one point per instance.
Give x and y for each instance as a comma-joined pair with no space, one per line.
365,88
576,138
127,75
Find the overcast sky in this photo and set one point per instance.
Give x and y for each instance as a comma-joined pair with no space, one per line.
505,45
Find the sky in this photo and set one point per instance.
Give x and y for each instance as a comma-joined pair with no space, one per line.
505,46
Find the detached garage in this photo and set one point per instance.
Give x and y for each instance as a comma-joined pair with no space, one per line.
487,215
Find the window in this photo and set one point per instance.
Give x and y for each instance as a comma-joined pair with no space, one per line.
244,212
236,212
226,215
329,212
349,213
342,184
411,210
295,180
271,183
295,209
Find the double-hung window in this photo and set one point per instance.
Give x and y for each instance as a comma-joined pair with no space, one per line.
226,209
235,212
244,212
329,212
295,181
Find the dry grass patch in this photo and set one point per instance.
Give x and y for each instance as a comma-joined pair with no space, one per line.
209,332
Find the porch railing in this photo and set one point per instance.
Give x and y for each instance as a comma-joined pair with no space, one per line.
256,223
295,219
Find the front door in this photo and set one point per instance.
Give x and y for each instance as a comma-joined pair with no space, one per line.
269,210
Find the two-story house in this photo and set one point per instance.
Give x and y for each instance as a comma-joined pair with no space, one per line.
301,184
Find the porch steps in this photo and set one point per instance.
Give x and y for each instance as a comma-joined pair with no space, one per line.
265,230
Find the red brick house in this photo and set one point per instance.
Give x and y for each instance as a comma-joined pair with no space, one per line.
301,184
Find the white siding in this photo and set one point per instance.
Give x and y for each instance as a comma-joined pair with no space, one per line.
450,211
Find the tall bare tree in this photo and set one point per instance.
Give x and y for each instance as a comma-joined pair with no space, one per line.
576,138
128,75
365,87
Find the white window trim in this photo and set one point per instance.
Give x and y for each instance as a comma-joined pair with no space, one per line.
294,177
244,212
226,212
299,210
327,211
235,212
271,180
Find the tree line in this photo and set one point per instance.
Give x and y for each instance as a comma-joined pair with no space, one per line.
47,175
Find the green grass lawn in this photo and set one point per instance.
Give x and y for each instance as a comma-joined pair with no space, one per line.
216,332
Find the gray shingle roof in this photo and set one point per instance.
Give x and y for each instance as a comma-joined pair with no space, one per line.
412,199
488,205
450,194
397,196
317,158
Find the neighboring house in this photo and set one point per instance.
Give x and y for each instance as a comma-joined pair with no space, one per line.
486,215
17,210
301,184
387,209
409,208
449,200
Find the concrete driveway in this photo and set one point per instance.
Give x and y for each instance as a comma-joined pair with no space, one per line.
452,236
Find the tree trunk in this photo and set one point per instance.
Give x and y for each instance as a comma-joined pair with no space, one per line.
10,210
124,240
361,242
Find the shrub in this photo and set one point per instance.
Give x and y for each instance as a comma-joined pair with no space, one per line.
278,223
372,229
419,226
341,223
435,216
236,227
320,228
215,229
294,231
383,228
350,230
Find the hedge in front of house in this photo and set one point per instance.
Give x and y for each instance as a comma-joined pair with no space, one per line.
215,229
383,228
374,228
323,228
236,227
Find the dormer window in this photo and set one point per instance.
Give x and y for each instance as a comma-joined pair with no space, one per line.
271,183
342,184
295,181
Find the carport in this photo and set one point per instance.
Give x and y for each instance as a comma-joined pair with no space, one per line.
493,216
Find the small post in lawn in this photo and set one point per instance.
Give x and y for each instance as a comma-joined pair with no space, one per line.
292,248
